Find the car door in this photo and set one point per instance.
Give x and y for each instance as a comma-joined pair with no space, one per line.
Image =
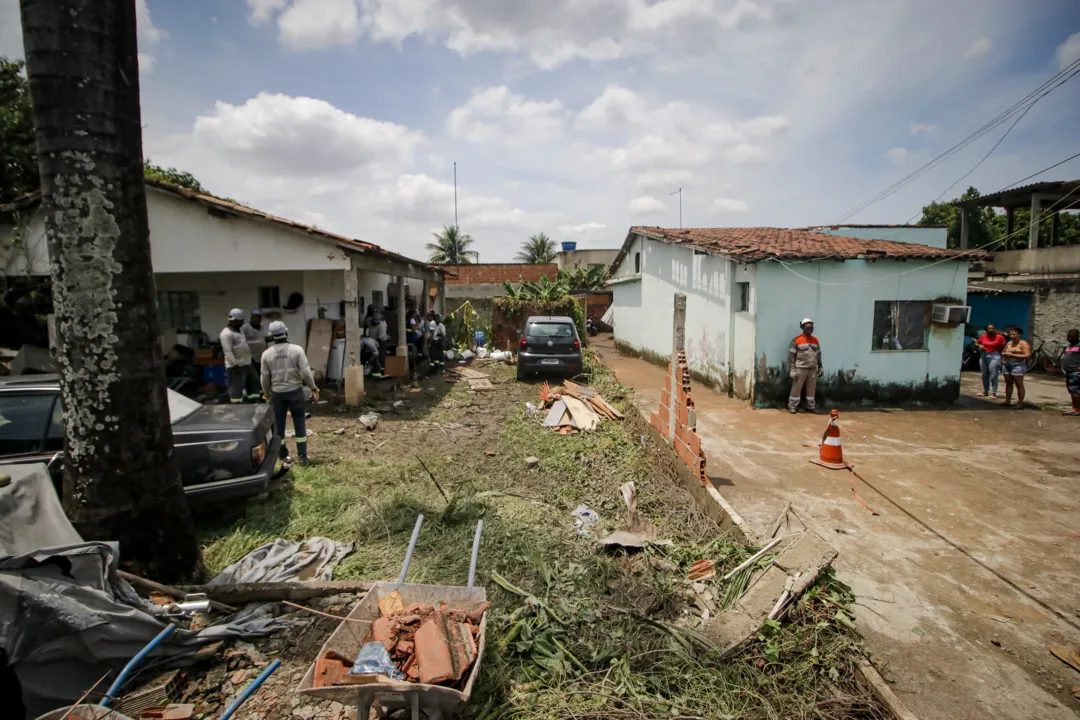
28,427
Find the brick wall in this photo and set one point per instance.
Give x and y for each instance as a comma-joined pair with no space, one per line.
498,273
687,444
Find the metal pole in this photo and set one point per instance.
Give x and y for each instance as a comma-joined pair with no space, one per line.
455,194
412,546
475,551
679,193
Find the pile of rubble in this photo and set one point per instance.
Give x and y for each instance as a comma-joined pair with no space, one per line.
416,642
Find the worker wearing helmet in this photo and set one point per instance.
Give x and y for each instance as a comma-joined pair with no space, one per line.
804,362
243,380
285,373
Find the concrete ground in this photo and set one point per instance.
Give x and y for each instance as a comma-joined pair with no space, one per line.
968,575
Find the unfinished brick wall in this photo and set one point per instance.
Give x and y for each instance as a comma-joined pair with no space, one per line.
684,440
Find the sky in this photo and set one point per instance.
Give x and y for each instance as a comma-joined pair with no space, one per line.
581,118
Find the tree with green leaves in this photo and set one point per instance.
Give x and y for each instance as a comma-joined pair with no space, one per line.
538,249
451,247
982,226
584,279
18,157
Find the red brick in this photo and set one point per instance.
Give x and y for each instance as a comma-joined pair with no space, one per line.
682,416
665,414
665,398
654,419
694,442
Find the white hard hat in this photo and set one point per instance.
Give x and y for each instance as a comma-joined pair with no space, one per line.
236,314
278,329
804,321
257,311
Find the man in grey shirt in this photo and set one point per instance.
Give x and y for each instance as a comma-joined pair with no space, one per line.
285,374
256,337
243,380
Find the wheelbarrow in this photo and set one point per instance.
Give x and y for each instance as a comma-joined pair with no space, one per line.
435,702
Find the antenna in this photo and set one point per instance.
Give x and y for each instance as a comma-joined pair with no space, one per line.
455,194
679,193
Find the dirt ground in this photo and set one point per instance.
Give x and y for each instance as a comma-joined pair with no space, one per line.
969,573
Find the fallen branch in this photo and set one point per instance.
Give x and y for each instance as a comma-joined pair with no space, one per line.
432,476
755,557
242,593
176,593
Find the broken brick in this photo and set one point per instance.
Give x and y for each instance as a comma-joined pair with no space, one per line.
331,670
445,649
390,604
423,609
383,630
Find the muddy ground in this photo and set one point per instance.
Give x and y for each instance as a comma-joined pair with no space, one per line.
968,575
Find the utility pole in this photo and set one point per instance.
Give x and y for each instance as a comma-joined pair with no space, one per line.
679,193
455,193
120,477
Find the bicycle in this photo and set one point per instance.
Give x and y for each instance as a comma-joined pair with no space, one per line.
1046,356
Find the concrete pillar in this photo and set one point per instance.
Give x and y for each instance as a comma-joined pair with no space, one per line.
440,297
1010,217
352,318
965,228
678,344
1036,214
402,346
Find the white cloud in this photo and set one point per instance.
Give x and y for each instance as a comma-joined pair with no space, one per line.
898,155
302,137
916,128
495,112
646,205
263,10
146,62
314,24
730,205
1068,52
10,30
977,49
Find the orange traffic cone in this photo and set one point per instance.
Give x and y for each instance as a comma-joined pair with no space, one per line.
831,455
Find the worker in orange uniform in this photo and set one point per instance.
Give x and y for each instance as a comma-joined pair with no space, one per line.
804,360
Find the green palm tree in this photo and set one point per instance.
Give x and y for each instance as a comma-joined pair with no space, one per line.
537,250
451,247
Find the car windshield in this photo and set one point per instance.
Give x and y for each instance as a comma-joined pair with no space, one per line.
180,407
551,330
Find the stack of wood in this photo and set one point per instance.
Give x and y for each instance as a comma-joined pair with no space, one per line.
575,408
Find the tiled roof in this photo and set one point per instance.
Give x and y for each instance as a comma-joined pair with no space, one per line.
498,273
231,208
756,244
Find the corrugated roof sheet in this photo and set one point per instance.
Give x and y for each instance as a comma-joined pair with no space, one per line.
756,244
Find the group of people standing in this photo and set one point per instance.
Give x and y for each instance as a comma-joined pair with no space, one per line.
1008,354
426,334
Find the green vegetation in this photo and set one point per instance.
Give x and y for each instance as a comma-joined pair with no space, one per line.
572,632
988,227
18,153
537,250
451,247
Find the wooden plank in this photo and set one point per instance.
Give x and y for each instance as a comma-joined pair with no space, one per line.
882,690
173,592
241,593
585,417
320,337
555,413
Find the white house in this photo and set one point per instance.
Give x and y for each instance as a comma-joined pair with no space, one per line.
873,302
210,255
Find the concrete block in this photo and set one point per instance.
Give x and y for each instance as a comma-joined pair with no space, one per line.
354,385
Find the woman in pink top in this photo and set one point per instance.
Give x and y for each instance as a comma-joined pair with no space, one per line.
990,345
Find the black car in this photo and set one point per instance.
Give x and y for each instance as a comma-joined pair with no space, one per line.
224,451
549,343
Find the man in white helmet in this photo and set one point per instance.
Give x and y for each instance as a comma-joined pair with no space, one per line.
256,337
285,373
243,380
804,362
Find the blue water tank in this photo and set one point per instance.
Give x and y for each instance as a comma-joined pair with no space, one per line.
569,246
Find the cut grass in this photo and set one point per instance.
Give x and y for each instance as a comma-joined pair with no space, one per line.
589,641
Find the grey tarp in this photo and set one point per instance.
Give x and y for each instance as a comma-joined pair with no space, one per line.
65,615
282,561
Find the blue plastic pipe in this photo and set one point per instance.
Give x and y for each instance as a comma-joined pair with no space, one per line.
249,690
132,663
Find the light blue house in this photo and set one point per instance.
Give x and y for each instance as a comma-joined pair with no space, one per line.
889,312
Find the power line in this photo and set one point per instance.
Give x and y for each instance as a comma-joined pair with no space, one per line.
987,248
1058,79
1009,187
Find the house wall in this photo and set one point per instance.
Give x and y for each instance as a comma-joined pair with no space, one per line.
626,267
1061,259
1001,310
843,312
933,236
719,340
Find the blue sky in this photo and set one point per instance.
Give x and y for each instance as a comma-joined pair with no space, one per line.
578,117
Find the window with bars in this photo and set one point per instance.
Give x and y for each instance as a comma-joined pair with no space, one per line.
270,297
178,310
900,325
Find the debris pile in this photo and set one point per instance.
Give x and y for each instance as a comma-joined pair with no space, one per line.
417,643
574,408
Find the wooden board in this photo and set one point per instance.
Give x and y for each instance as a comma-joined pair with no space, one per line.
555,413
396,366
584,416
354,385
320,337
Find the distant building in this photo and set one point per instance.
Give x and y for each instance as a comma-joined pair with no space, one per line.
873,302
587,259
481,283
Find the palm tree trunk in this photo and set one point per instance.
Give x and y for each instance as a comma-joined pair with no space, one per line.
120,477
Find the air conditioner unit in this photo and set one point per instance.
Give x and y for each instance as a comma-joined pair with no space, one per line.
950,314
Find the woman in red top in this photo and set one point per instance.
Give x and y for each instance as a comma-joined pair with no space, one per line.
990,345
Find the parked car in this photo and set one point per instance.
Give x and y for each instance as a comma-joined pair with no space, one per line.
224,451
549,343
